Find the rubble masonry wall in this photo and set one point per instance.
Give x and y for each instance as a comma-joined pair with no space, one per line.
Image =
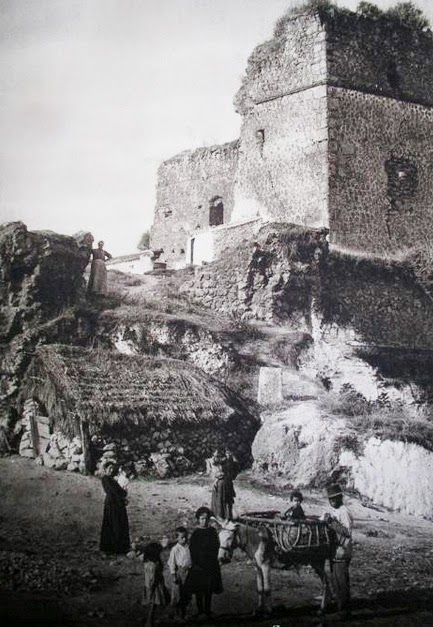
381,172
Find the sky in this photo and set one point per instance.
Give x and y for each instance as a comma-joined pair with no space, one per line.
94,94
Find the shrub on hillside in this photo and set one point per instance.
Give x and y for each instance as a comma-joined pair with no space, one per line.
383,418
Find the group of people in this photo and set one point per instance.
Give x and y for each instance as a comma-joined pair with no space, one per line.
193,564
193,561
340,521
194,570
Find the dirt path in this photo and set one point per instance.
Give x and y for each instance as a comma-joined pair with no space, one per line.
51,572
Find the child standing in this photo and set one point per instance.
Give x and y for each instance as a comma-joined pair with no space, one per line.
223,494
295,511
154,592
179,565
204,580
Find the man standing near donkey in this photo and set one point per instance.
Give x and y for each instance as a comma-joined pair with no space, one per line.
340,520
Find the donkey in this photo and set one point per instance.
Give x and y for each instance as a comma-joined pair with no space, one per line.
268,547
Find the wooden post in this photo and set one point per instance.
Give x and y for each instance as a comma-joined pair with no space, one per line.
86,444
35,434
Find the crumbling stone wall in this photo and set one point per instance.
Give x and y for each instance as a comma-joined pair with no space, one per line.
282,173
381,172
187,184
380,56
286,64
291,279
271,279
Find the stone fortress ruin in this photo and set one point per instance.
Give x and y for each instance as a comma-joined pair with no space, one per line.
337,129
306,345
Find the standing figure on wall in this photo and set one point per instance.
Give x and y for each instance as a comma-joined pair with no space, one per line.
98,271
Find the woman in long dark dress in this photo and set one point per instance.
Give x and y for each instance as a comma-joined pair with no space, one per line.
115,526
98,271
205,575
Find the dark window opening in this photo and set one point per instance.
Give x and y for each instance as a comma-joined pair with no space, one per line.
260,138
182,251
393,75
216,211
402,178
167,212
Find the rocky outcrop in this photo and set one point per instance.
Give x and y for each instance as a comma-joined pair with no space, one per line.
298,443
394,474
309,445
41,275
170,337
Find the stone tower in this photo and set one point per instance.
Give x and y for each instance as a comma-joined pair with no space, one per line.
337,132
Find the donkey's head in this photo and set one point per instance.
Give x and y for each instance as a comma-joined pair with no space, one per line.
227,538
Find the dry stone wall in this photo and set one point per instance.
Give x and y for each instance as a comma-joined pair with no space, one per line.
187,184
171,450
49,448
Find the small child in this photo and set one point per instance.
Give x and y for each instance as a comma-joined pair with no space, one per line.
179,565
295,511
122,478
154,592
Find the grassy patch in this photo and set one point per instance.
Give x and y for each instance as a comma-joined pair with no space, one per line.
382,418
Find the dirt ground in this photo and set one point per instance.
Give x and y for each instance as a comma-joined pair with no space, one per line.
51,572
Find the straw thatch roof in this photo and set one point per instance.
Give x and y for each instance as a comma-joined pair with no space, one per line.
107,387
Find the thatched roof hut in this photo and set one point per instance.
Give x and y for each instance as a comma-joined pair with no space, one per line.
105,389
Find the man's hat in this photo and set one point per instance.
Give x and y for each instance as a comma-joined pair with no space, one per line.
334,490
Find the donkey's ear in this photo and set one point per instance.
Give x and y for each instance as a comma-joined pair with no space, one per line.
219,521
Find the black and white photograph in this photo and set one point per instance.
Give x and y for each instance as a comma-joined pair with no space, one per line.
216,313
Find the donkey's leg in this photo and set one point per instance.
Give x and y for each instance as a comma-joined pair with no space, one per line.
260,589
320,569
267,597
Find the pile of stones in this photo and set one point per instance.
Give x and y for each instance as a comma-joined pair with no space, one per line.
64,454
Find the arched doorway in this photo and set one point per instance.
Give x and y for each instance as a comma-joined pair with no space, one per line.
216,211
